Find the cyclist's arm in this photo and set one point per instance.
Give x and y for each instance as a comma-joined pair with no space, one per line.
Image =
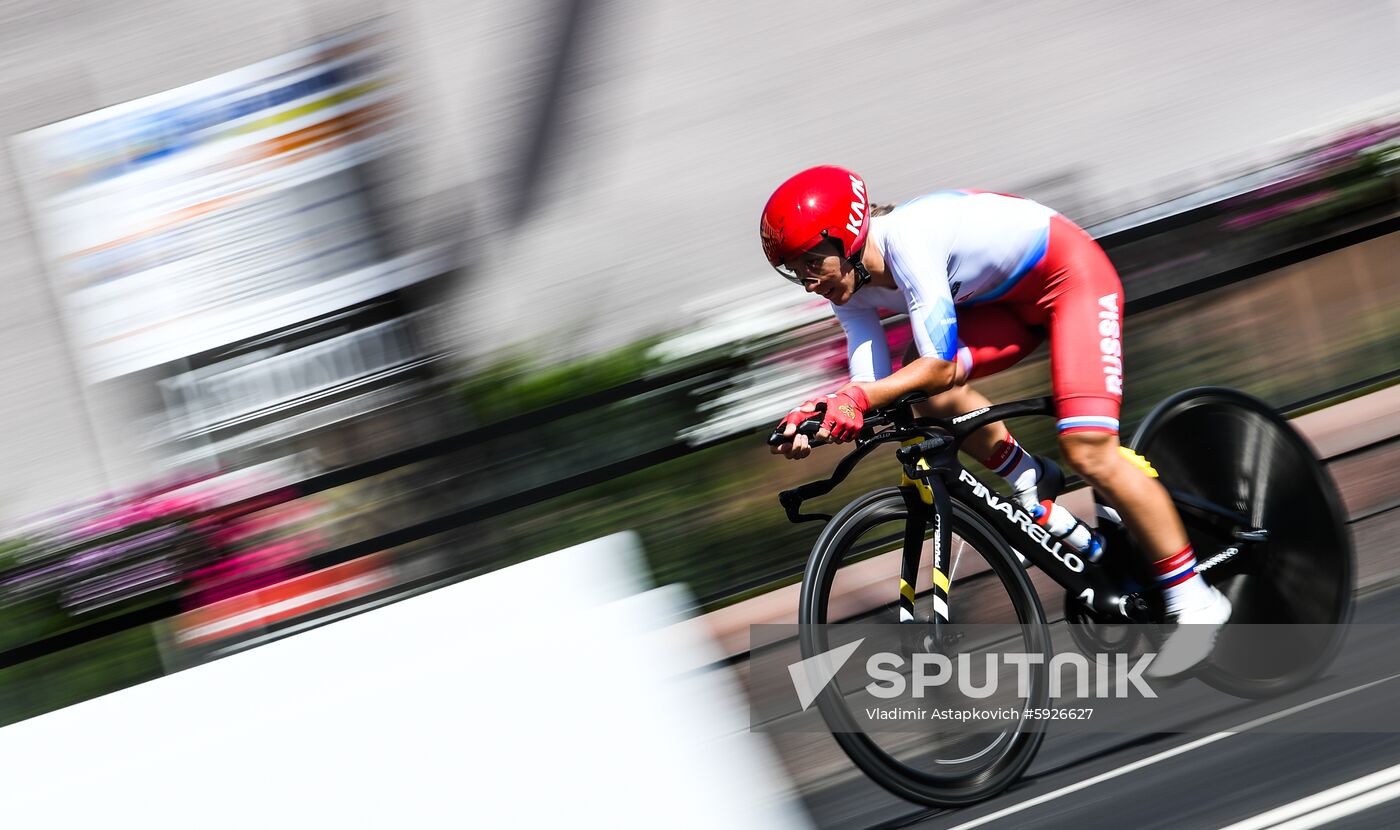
930,375
867,349
920,268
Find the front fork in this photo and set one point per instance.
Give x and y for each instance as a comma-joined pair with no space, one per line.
925,499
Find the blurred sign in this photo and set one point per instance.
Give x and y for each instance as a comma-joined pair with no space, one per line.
220,210
286,600
276,379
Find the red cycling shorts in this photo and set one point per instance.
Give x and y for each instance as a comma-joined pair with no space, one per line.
1074,295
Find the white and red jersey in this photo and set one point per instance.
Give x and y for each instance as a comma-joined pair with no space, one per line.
945,249
985,278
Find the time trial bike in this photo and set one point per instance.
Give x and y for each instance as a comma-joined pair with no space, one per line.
1261,511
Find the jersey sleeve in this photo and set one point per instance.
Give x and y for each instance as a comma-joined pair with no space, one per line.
867,350
920,267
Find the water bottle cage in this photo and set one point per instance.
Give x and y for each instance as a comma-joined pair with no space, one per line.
1078,523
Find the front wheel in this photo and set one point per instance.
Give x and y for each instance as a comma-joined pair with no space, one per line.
853,578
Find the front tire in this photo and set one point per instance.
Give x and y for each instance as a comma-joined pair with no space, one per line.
1009,753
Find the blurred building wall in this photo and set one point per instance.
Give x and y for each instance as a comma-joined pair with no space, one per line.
684,117
602,163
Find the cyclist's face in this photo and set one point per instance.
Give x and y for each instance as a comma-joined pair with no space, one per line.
824,272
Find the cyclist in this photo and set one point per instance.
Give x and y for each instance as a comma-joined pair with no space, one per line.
984,278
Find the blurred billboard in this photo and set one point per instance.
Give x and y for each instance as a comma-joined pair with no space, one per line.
220,210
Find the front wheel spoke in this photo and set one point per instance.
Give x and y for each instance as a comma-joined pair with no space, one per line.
956,558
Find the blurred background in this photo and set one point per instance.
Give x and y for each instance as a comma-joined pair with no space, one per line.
314,305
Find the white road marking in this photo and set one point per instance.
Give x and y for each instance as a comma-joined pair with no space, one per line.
1329,805
1328,815
1162,756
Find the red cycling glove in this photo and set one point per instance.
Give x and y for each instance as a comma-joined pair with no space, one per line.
800,413
845,413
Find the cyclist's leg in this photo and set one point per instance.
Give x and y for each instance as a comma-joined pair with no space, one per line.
1084,300
1143,503
995,337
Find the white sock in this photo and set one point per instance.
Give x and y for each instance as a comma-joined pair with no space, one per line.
1018,467
1182,587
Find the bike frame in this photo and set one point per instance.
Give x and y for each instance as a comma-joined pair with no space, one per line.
934,477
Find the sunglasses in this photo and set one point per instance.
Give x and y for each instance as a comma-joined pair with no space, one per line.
806,269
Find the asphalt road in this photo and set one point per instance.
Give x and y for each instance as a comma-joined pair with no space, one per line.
1214,765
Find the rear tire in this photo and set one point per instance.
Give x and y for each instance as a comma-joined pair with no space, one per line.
1236,451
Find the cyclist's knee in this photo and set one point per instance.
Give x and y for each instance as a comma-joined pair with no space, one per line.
1093,455
954,401
937,407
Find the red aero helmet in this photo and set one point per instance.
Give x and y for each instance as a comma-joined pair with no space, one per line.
819,203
